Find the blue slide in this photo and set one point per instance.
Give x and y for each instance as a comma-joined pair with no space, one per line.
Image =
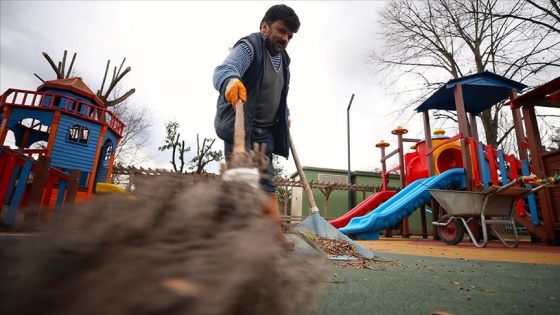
401,205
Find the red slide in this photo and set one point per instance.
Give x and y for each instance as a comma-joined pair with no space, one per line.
363,208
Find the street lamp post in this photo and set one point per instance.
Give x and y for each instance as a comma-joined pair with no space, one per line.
348,133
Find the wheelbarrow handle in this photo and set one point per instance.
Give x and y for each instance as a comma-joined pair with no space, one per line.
519,180
527,179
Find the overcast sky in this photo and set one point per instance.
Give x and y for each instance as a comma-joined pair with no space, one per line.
173,48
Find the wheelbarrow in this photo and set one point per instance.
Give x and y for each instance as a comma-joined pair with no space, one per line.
464,206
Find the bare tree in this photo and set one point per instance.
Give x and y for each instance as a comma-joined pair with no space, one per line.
115,79
60,68
118,75
204,155
428,42
135,137
177,146
554,140
284,192
204,152
546,13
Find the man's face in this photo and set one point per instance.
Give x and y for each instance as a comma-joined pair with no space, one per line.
277,36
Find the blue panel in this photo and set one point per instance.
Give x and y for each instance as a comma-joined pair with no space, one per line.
530,198
111,136
69,154
503,169
62,103
484,166
69,94
47,100
12,184
102,172
82,181
103,166
18,194
17,114
60,199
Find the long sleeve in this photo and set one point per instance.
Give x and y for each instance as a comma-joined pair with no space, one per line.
234,66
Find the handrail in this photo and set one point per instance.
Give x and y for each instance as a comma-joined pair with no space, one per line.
76,107
30,152
14,184
446,141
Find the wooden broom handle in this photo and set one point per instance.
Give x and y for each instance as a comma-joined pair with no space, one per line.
239,131
304,181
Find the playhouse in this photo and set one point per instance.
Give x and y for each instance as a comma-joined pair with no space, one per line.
65,122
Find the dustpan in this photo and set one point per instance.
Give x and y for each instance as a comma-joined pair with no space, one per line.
314,226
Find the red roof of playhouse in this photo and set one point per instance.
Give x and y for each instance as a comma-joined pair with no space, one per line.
75,85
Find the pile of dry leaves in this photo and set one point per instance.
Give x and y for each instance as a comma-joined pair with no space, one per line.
340,247
336,247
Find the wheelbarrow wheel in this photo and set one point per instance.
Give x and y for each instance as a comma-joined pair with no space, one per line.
453,233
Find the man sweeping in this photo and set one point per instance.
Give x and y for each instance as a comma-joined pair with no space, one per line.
257,72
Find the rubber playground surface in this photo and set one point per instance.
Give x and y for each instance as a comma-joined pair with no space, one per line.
526,252
423,276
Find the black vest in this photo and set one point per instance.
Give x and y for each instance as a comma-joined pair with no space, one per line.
225,116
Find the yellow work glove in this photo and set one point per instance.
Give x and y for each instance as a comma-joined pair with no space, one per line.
235,90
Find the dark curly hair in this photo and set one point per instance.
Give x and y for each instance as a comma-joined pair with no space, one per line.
284,13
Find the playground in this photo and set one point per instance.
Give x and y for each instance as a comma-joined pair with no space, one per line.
474,197
471,188
462,181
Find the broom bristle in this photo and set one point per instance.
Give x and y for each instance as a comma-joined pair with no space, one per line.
183,248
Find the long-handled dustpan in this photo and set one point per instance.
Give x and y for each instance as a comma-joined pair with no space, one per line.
314,226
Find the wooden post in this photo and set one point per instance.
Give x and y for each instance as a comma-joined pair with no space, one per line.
423,219
4,124
399,131
464,130
131,180
40,176
384,178
468,159
431,172
73,184
519,131
535,148
285,206
428,139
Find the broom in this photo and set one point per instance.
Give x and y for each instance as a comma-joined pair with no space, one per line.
244,166
314,226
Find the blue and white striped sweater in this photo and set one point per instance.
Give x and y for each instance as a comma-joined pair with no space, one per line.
244,55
